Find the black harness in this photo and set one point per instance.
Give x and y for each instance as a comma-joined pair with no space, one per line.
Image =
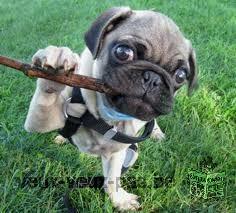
72,124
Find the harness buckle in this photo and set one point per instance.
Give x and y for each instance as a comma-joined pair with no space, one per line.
110,133
65,106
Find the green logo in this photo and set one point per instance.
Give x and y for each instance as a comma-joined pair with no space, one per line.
206,184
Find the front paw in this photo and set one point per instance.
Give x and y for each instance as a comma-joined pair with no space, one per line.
124,201
157,134
62,59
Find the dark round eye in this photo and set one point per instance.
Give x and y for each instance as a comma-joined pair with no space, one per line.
124,53
180,75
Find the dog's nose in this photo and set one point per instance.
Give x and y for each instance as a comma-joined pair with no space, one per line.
151,79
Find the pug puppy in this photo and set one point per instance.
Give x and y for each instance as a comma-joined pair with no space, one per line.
139,54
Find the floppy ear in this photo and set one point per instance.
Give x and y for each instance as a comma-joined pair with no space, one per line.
95,35
192,84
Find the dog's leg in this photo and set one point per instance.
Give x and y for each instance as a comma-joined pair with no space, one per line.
112,171
45,113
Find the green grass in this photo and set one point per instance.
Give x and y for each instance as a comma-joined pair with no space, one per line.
201,131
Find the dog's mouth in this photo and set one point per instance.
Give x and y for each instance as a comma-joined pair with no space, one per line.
133,106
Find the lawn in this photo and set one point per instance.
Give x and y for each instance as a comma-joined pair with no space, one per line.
200,133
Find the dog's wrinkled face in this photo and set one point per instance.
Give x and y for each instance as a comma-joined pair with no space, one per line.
144,57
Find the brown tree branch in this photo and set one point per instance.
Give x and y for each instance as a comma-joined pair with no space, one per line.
70,79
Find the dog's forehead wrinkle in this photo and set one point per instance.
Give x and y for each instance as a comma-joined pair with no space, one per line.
157,23
173,61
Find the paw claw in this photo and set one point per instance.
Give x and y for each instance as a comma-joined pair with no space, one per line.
66,65
44,62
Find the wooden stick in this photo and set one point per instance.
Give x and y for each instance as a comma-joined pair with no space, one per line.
73,80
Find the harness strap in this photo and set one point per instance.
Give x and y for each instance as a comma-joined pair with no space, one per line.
99,125
72,123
